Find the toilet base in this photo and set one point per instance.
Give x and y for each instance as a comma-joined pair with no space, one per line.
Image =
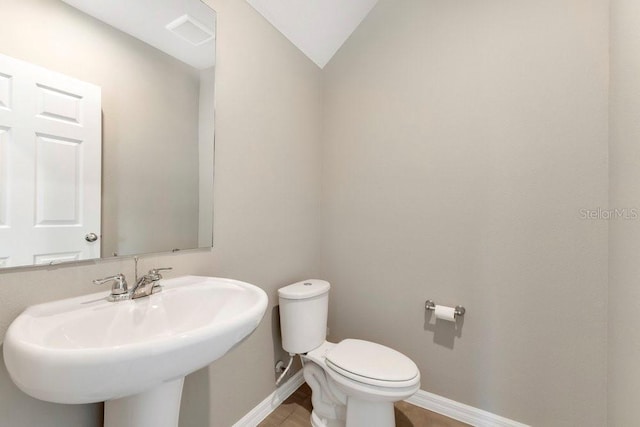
317,421
362,413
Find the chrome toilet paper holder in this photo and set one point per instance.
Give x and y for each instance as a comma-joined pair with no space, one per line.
431,306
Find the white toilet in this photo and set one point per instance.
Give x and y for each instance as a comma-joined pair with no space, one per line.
354,383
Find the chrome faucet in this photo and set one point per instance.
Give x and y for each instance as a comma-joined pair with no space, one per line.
145,285
148,284
119,287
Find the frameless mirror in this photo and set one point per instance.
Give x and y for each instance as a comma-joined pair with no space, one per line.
106,128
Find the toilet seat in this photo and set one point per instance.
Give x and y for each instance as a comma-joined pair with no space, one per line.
365,398
371,363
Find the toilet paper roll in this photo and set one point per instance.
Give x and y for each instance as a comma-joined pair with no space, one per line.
445,313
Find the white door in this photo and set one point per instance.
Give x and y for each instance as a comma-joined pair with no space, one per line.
50,167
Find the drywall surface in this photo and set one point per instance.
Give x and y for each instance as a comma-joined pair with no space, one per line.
267,190
266,187
624,231
462,142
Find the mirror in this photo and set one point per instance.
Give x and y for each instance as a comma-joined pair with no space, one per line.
106,128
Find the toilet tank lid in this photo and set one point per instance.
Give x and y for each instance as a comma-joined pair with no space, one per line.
305,289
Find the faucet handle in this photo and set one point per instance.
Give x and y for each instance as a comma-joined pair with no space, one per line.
119,284
156,272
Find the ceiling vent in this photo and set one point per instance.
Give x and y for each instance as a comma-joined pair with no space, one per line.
191,30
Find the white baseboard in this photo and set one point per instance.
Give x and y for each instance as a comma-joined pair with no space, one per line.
432,402
459,411
268,405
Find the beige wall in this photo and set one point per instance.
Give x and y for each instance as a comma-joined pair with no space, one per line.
267,186
266,221
624,239
459,142
461,139
150,105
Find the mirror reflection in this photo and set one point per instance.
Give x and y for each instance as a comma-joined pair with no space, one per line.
106,128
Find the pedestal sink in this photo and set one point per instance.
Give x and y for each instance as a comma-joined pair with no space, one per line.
132,354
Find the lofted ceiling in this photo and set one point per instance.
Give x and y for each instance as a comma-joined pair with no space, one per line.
183,29
316,27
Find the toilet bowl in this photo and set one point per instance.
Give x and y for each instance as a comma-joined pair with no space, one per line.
354,383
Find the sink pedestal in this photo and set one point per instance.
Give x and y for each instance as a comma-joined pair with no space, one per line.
158,407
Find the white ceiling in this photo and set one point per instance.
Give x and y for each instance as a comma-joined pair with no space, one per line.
147,21
317,27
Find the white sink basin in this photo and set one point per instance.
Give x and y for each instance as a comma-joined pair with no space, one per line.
87,349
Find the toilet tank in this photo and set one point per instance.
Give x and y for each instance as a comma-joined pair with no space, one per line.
303,315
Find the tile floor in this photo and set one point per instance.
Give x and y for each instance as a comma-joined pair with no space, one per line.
296,410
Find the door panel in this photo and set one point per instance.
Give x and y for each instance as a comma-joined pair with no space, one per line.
5,137
44,259
58,181
59,105
50,165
